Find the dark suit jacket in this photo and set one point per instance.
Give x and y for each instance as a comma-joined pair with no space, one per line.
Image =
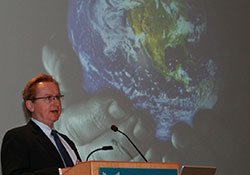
27,150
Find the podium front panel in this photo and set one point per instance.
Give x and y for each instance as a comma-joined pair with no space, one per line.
136,171
123,168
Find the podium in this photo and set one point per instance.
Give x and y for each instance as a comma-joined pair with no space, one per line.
123,168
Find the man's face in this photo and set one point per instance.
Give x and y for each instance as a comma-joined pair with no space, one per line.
46,110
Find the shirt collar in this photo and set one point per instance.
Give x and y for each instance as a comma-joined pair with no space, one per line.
45,128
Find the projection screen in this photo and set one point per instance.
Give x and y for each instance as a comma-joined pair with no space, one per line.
172,74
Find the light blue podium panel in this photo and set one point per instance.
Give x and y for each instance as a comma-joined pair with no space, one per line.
136,171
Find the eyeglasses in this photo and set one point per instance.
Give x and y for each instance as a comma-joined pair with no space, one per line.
48,98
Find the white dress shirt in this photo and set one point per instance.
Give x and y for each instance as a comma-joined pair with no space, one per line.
47,130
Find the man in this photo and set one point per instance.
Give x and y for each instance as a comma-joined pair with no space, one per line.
34,148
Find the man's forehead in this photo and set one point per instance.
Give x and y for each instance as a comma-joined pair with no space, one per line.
47,86
46,83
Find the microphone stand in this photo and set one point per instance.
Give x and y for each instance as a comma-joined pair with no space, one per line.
98,149
115,129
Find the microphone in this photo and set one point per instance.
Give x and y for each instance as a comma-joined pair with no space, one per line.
115,129
98,149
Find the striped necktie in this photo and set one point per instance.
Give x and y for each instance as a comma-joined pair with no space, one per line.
64,153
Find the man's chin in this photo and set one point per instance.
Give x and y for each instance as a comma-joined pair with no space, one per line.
55,117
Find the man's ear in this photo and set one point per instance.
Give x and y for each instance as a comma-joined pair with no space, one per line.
30,105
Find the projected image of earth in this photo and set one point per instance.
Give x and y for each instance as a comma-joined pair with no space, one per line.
155,52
